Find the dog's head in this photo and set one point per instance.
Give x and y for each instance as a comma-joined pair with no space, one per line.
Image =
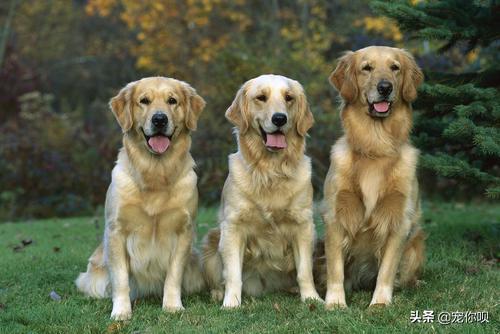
273,107
156,110
377,77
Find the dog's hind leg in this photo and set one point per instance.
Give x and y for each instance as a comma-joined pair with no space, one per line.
212,264
193,280
95,281
252,284
412,260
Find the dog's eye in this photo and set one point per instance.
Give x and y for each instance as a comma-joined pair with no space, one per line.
262,98
145,101
288,98
394,67
171,100
367,68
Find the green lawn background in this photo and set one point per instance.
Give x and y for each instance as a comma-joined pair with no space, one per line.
461,274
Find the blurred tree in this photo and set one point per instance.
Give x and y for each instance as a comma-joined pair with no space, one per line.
81,52
457,126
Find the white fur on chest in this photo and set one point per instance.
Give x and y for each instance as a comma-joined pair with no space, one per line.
370,180
149,259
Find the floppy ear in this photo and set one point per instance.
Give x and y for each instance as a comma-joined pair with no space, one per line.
412,77
195,105
121,107
237,113
343,78
305,119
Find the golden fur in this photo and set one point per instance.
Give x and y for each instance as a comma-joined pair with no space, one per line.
150,205
266,234
371,204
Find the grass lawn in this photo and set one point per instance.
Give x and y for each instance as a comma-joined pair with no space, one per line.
461,274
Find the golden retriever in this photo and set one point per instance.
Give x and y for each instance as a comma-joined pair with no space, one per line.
266,235
371,205
152,201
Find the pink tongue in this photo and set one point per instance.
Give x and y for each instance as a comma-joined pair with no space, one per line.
275,140
159,144
381,106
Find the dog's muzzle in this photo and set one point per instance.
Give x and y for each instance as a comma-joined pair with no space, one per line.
382,107
158,142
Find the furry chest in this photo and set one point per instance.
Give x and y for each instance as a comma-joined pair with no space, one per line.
269,250
149,255
370,183
153,203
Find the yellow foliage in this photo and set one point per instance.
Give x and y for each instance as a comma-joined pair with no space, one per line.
381,25
144,62
100,7
472,55
174,38
169,32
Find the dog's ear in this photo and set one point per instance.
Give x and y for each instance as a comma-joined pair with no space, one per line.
195,105
343,78
412,76
121,107
305,118
237,113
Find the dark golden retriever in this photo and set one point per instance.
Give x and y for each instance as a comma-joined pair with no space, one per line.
371,202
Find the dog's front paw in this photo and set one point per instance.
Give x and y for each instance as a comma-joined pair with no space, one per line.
379,303
121,312
381,297
231,301
335,305
310,295
172,302
335,299
173,308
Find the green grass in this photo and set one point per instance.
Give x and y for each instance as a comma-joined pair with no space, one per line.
462,274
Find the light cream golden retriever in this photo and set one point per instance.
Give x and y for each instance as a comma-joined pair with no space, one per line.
152,201
371,200
266,235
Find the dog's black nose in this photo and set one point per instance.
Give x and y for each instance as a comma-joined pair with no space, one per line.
384,88
159,120
279,119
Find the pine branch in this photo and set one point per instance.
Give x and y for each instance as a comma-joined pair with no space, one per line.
475,22
493,192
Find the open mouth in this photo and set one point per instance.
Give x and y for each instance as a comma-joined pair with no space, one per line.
380,109
274,141
157,143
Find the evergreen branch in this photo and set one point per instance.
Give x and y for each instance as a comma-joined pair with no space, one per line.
450,166
451,21
487,139
493,192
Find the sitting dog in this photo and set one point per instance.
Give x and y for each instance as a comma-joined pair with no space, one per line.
371,201
266,235
152,201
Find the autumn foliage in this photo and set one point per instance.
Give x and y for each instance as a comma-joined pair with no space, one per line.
64,60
